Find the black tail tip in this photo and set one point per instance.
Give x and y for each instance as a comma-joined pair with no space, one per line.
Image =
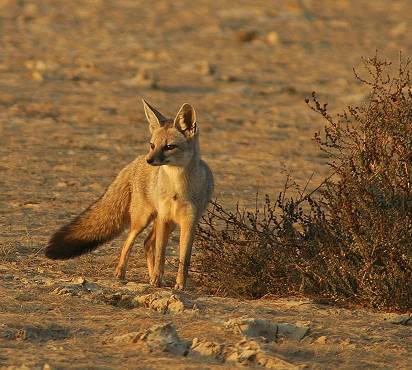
58,251
60,248
53,252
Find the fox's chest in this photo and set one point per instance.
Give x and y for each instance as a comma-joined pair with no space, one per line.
174,206
175,196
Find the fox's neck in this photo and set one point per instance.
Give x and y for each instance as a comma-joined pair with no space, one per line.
185,171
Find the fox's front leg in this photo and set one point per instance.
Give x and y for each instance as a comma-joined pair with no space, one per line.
163,230
187,234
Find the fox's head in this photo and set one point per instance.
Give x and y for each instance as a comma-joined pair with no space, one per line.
173,142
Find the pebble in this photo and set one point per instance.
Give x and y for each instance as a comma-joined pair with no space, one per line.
321,340
246,35
272,38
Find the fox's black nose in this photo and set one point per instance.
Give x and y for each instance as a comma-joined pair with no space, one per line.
150,160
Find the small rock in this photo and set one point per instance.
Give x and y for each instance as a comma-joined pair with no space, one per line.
245,352
274,363
63,167
246,35
272,38
229,78
79,285
95,186
37,76
205,68
31,205
402,320
119,300
40,65
250,352
65,291
163,302
42,333
158,338
321,340
79,280
202,67
110,110
252,328
24,280
205,348
93,288
142,78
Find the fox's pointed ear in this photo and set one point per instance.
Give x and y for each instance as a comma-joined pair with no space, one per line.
185,120
154,117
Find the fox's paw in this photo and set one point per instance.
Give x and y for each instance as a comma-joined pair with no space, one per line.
179,286
156,281
120,273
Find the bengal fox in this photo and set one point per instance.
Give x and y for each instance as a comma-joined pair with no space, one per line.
169,186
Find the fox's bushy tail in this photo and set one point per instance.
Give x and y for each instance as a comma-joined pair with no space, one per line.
99,223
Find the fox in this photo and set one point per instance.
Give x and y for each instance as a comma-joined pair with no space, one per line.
170,186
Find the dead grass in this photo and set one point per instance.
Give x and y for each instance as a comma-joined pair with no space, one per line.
7,251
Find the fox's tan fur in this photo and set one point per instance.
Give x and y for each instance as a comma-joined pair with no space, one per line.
170,186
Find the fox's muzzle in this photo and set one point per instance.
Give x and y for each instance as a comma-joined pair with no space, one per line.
156,159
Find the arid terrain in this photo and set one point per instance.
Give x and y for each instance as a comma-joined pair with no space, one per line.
72,75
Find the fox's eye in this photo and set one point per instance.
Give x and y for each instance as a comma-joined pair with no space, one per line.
170,147
152,146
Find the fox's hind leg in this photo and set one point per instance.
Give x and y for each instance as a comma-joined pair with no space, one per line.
120,271
136,227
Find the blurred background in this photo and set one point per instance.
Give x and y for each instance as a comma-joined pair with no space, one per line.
72,75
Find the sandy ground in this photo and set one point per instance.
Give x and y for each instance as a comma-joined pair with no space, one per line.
71,78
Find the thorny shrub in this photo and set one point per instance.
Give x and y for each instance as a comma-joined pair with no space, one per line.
351,238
